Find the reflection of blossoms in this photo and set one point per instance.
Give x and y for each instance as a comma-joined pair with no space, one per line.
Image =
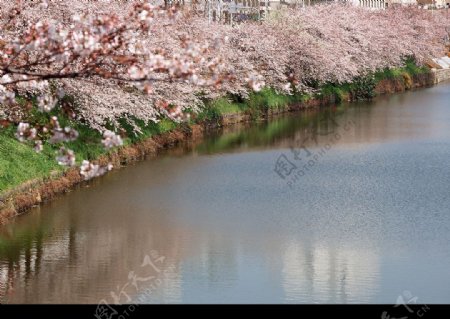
66,157
89,170
110,139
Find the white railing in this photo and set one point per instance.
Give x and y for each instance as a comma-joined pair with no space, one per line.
376,4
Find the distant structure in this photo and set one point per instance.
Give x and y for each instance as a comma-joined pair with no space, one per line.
238,10
231,11
434,3
381,4
378,4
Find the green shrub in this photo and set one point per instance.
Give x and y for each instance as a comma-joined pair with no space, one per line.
363,88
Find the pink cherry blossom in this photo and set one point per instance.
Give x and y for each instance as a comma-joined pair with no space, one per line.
139,60
110,139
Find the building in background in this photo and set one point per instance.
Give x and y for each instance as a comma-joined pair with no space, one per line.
229,11
434,3
378,4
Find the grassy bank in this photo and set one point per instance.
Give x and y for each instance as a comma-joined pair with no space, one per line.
19,163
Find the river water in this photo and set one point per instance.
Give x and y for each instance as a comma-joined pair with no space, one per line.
350,204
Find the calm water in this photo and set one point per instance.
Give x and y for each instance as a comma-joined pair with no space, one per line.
366,221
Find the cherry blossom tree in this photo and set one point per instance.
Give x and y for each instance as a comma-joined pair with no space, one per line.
141,60
112,48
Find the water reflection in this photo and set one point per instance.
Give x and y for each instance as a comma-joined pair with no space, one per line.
362,227
389,118
329,275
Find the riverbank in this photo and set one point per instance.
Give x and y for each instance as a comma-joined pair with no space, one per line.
41,179
374,205
441,75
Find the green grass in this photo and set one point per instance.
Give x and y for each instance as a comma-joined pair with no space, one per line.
214,110
410,68
19,163
88,145
268,98
338,91
223,106
256,103
388,74
362,88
